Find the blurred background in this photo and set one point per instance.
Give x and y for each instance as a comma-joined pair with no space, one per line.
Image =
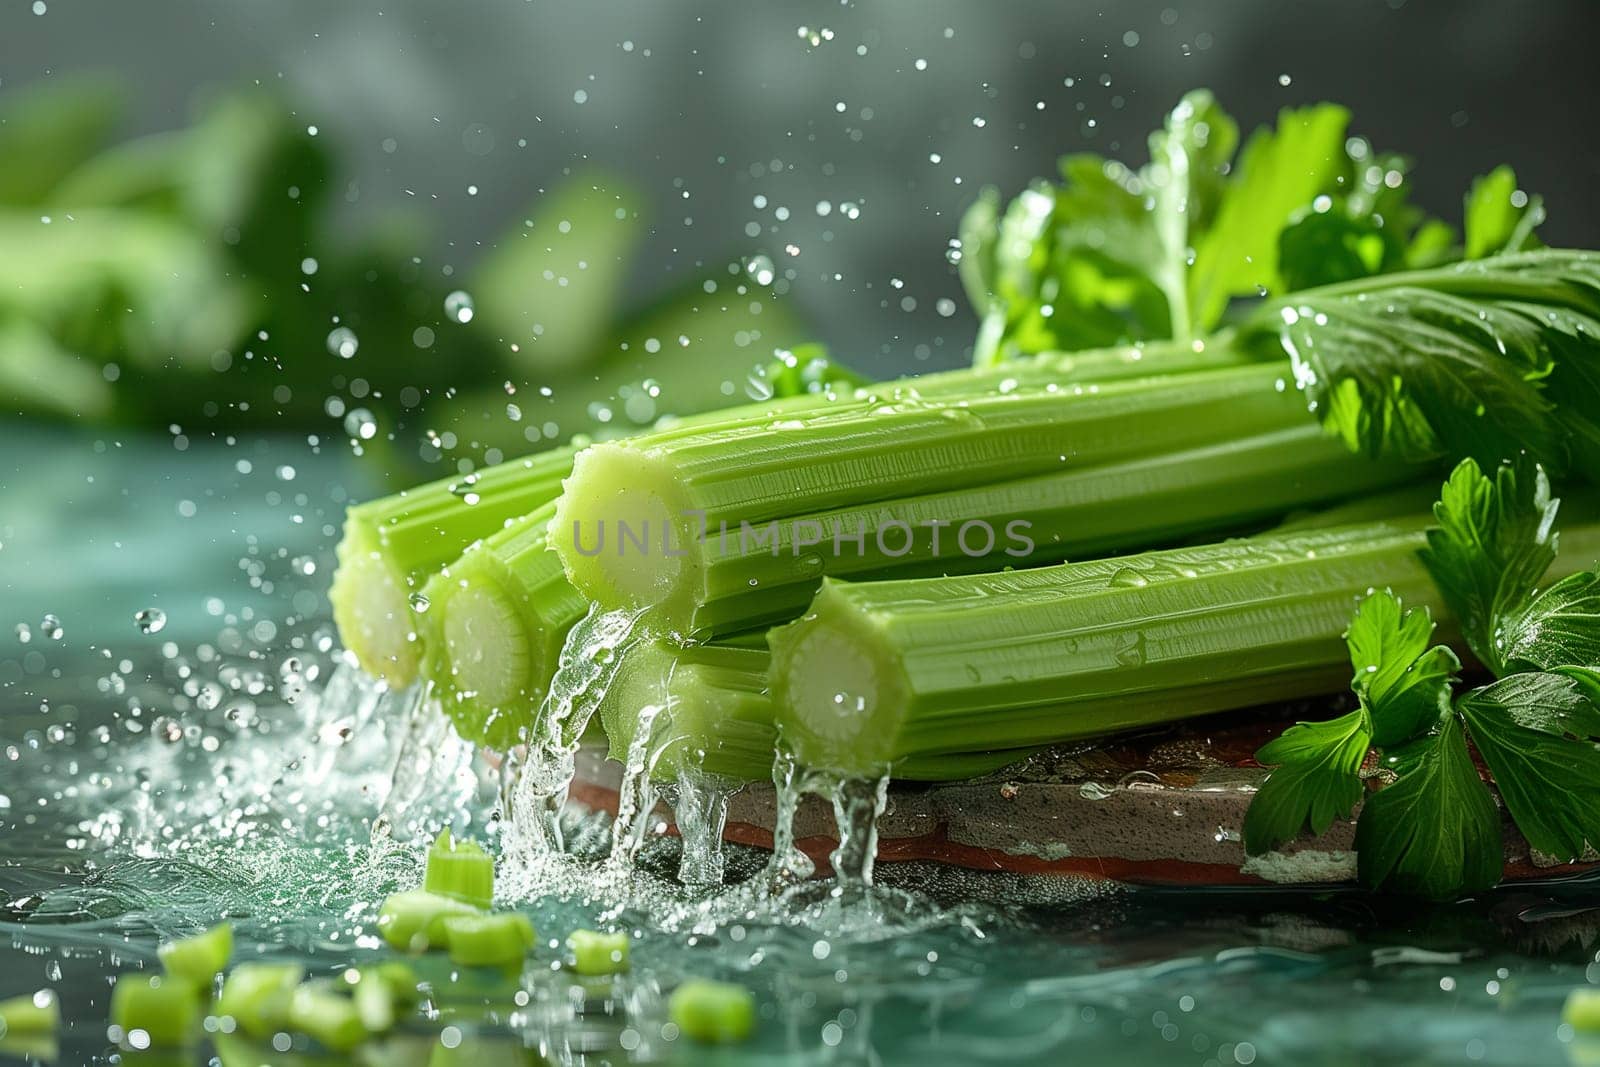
376,219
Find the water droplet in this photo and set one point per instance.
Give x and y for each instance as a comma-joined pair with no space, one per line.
361,423
419,603
343,342
757,386
466,490
458,305
760,269
150,620
50,626
1131,651
1094,791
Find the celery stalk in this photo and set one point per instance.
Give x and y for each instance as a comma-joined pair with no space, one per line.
717,716
878,673
491,624
394,544
1093,469
493,630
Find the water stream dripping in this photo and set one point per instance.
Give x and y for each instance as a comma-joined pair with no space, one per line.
587,663
701,810
636,796
857,805
788,864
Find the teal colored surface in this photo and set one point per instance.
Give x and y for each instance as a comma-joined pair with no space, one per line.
138,810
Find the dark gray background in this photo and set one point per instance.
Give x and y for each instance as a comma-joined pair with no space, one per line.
702,97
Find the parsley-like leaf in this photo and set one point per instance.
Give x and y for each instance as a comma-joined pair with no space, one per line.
1559,627
1495,539
1535,732
1403,684
1435,832
1318,781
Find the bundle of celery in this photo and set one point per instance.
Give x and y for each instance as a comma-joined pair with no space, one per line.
487,628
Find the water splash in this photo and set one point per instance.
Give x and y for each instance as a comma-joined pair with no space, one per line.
587,664
701,810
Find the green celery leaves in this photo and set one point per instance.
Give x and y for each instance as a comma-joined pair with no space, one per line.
1497,218
1495,540
1535,732
1435,830
1318,781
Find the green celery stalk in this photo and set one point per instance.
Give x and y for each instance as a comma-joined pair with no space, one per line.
717,716
490,625
1094,469
879,673
391,546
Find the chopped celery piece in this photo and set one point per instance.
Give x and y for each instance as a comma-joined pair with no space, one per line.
1582,1011
201,958
877,673
394,544
155,1011
969,481
490,940
460,870
713,1012
594,952
256,996
31,1014
716,716
413,921
381,993
321,1010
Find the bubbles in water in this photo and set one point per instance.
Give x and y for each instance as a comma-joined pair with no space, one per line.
458,305
150,620
343,342
24,634
361,423
305,566
50,626
760,269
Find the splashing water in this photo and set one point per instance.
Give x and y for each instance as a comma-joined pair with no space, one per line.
587,663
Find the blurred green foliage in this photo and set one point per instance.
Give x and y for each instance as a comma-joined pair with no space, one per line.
193,277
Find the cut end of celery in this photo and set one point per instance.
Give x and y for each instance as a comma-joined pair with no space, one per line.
372,609
838,696
485,668
624,534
